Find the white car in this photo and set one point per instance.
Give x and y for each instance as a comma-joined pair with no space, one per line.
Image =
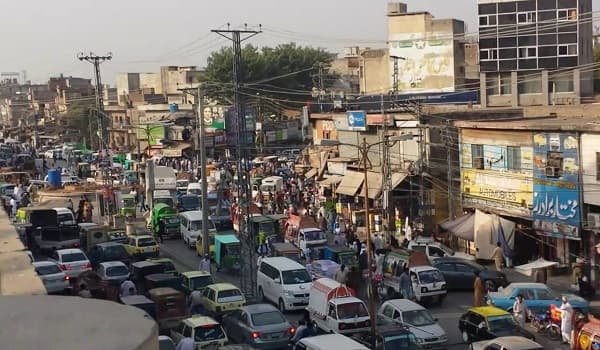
54,279
113,271
72,261
506,343
434,249
284,282
419,321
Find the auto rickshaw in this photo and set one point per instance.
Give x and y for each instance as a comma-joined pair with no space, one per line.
84,170
211,244
91,234
99,288
286,250
166,262
341,255
168,214
586,333
141,302
141,269
160,280
128,207
170,307
227,252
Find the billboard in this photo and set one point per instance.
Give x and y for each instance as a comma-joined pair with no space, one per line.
357,120
556,187
154,133
427,64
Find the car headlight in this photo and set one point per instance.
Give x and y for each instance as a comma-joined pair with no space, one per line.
289,293
420,340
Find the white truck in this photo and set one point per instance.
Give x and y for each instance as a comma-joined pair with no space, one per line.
334,308
310,238
271,184
165,186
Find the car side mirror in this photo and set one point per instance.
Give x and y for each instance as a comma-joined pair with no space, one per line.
277,280
481,326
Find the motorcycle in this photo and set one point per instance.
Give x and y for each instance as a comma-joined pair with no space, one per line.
547,323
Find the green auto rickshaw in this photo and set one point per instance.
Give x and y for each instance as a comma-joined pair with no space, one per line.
169,215
227,252
128,207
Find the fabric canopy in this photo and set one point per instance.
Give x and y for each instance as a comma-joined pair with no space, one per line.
540,263
462,227
375,183
350,184
332,180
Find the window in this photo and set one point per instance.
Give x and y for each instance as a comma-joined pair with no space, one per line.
513,158
445,267
267,318
597,166
554,164
526,17
477,156
566,14
567,50
493,83
528,52
388,311
187,331
488,54
435,251
326,134
530,83
543,294
487,20
505,84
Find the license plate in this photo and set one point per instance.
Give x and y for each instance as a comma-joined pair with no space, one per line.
276,335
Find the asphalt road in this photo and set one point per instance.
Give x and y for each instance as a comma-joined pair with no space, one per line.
455,304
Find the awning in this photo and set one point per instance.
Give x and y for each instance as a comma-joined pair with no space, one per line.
174,151
332,180
375,182
350,184
462,227
538,264
397,179
312,172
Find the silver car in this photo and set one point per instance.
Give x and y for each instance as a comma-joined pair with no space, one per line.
260,325
54,279
72,261
113,271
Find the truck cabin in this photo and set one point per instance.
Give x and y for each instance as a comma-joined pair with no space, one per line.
163,196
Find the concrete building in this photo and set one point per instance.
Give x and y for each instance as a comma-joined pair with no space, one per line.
431,55
535,52
136,83
374,73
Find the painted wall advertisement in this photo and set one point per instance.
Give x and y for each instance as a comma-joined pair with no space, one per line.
428,64
556,187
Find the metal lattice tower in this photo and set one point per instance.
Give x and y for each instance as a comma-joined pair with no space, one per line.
244,145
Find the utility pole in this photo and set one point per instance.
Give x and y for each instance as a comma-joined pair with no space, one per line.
203,175
103,143
321,87
387,171
244,144
423,210
449,160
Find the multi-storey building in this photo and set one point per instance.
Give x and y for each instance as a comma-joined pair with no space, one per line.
535,52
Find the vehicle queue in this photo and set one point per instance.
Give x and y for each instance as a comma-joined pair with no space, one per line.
298,270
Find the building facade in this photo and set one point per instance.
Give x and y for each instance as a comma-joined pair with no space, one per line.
535,52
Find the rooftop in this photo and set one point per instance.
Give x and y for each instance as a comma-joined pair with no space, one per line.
589,124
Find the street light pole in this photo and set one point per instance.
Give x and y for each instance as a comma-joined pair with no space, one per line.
372,307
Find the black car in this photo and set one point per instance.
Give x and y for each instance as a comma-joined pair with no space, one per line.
108,251
489,322
460,274
189,202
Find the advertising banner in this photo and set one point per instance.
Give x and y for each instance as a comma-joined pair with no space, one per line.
357,120
556,202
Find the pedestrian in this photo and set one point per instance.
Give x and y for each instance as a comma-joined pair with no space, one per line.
566,320
84,292
142,202
195,303
70,204
520,310
341,275
186,343
127,288
299,331
408,232
13,207
161,230
406,284
377,243
498,256
478,290
205,264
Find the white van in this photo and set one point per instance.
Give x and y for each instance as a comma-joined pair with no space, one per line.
65,217
194,188
328,342
191,227
283,282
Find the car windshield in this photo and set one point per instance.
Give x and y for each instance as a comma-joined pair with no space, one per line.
66,219
47,269
314,235
430,276
117,271
73,257
146,242
267,318
168,265
190,201
405,341
201,282
352,310
208,332
196,225
229,295
501,323
446,249
417,318
167,201
296,276
233,249
114,252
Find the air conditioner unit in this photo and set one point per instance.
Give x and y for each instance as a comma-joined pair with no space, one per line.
593,220
552,172
478,163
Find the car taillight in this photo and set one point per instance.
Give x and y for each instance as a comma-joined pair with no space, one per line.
65,267
255,335
87,266
292,330
76,245
67,278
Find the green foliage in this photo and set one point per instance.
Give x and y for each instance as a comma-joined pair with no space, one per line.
597,70
80,117
264,64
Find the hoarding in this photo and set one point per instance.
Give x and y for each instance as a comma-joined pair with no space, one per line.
510,190
357,120
556,185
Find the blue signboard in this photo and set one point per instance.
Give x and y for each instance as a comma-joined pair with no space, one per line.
556,187
357,120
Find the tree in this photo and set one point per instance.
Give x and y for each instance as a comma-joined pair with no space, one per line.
287,72
80,116
597,69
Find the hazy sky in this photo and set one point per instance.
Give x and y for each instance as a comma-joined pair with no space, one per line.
43,37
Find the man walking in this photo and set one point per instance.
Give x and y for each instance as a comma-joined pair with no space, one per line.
341,275
205,264
566,320
520,310
161,230
406,284
498,256
478,291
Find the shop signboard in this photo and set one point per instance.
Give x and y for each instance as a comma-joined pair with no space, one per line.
357,120
556,187
511,191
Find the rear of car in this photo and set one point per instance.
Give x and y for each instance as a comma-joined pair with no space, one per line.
72,262
54,279
270,330
114,272
145,247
